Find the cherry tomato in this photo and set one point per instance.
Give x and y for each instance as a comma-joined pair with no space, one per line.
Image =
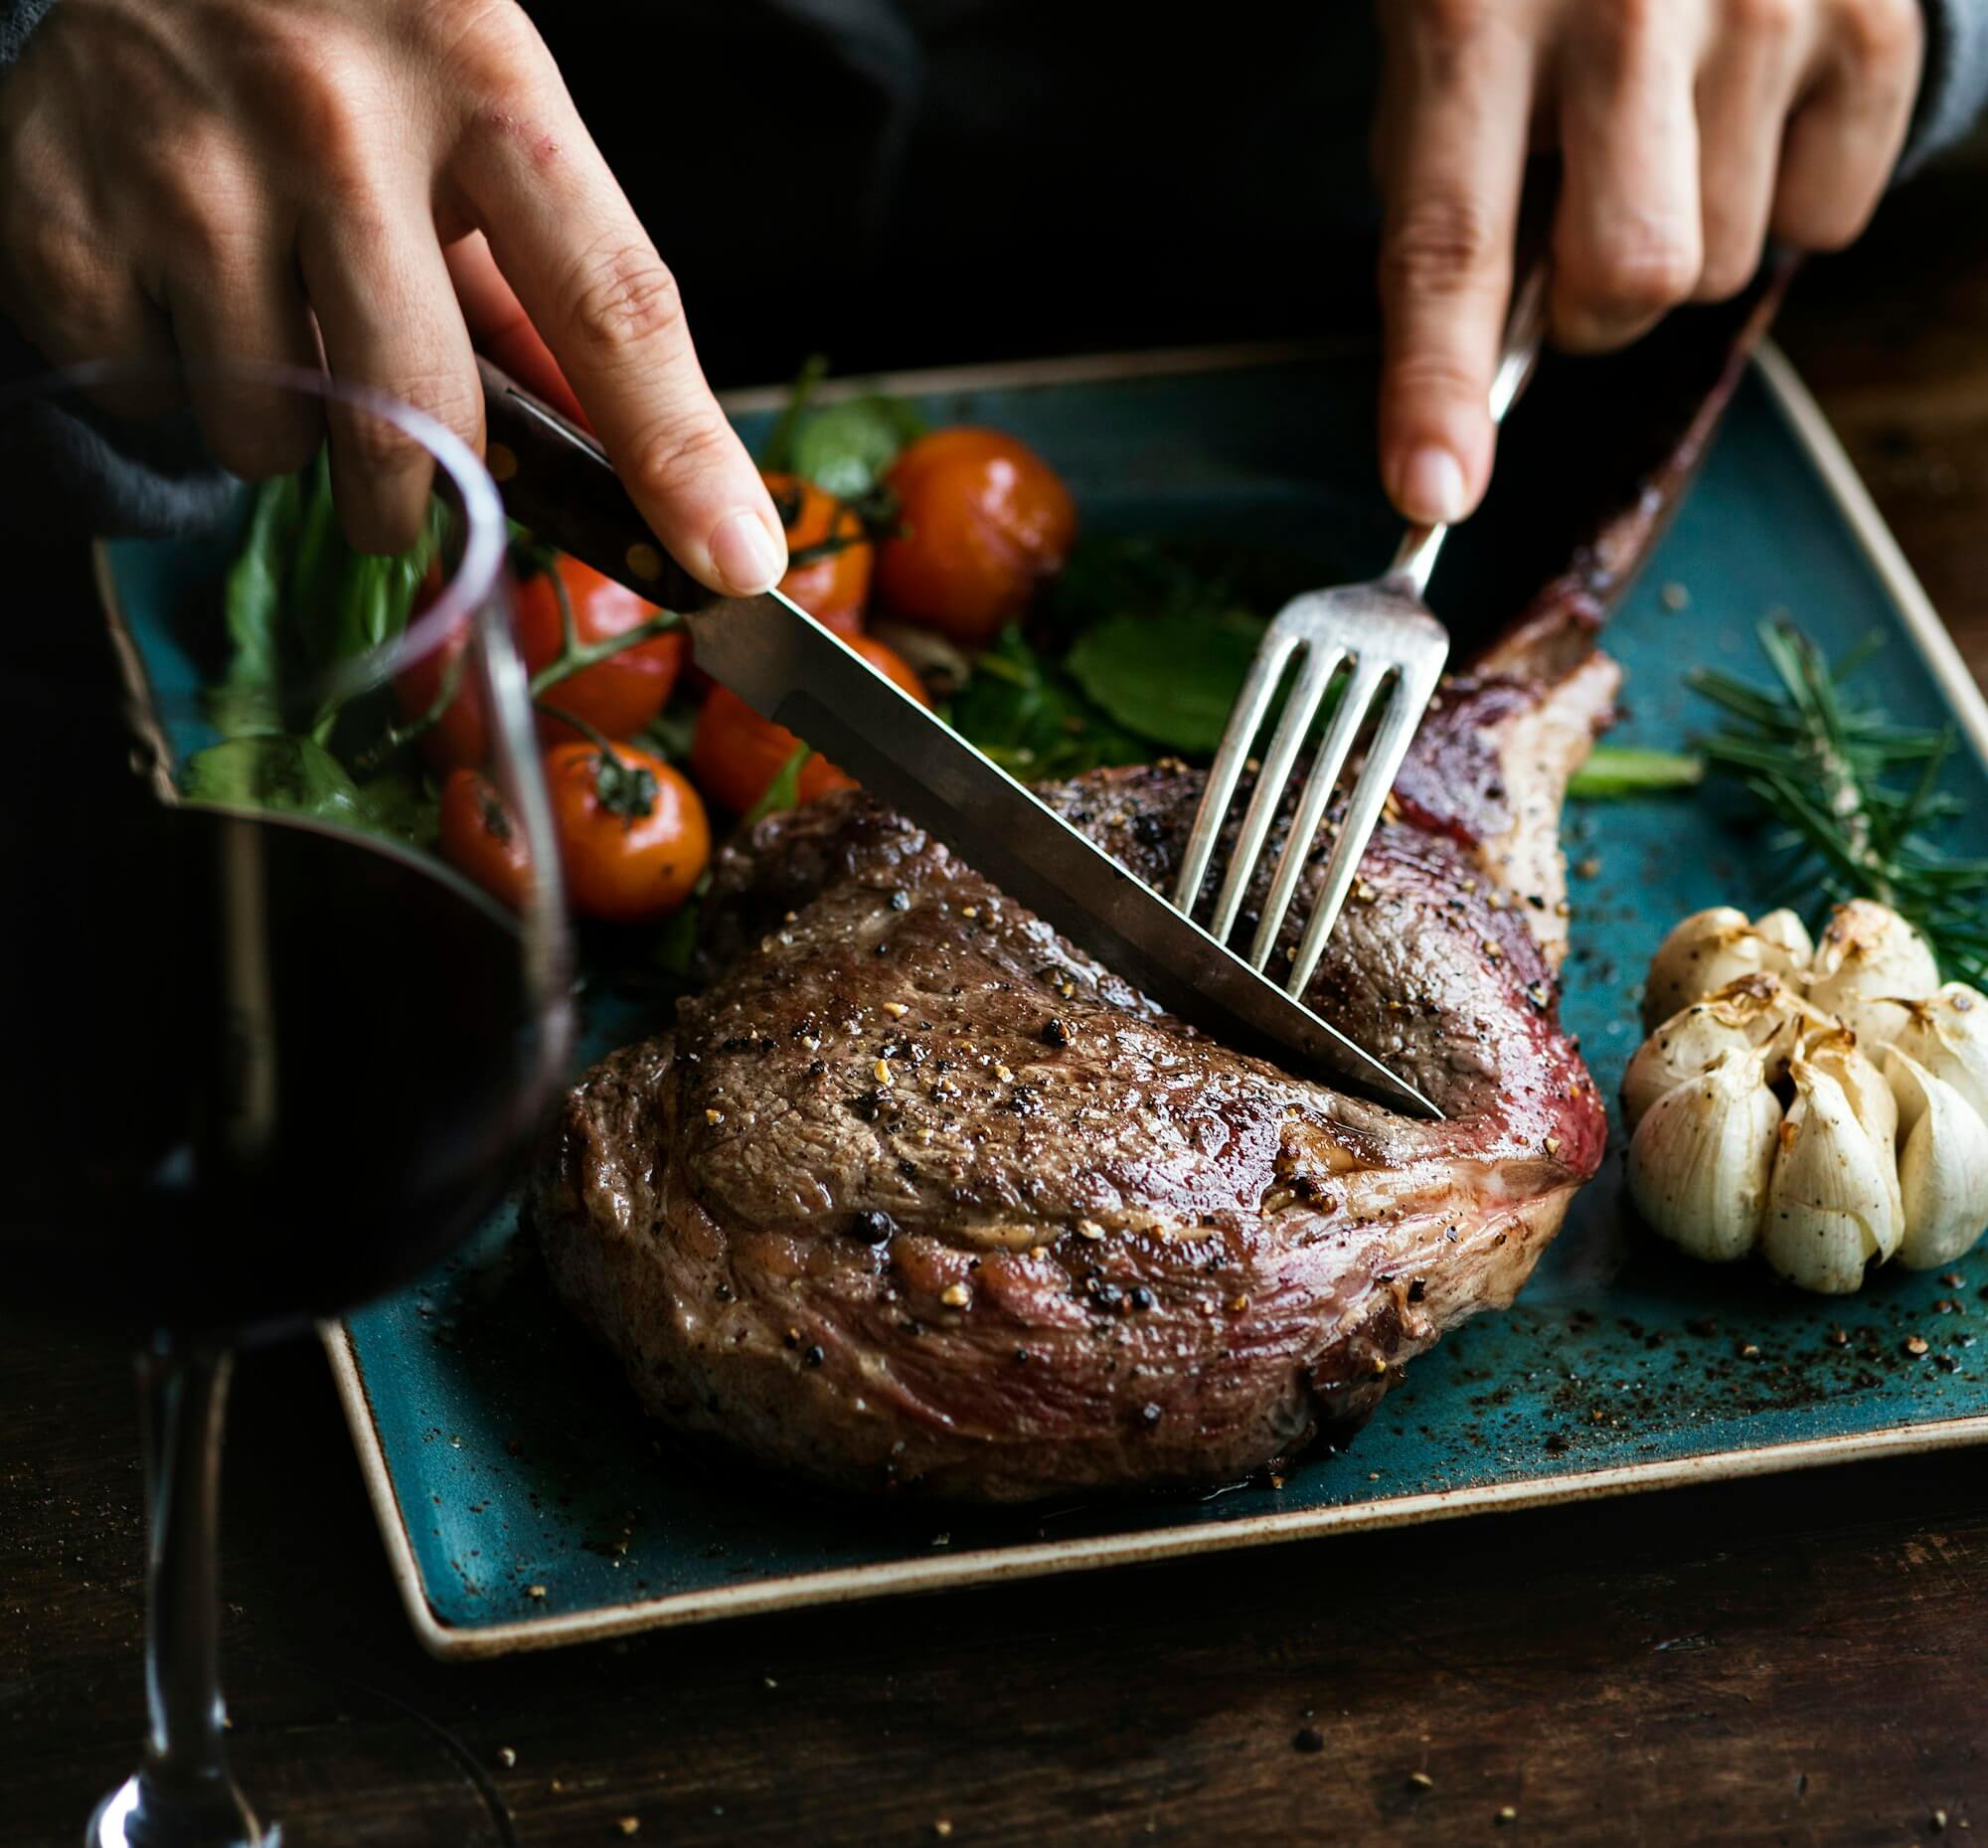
481,840
457,737
986,519
617,696
633,833
734,754
833,588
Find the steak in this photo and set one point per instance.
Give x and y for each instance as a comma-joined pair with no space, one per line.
916,1196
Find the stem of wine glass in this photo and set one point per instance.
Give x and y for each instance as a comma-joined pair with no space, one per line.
182,1796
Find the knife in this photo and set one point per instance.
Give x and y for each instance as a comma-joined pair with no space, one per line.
557,480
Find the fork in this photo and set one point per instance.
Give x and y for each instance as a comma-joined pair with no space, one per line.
1384,634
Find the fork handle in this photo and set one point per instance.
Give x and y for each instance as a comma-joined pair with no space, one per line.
1525,328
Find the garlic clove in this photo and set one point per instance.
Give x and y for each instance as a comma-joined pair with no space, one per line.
1703,954
1786,931
1830,1200
1869,965
1948,1035
1700,1159
1741,1018
1942,1168
1869,1095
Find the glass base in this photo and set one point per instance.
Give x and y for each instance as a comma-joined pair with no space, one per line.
137,1814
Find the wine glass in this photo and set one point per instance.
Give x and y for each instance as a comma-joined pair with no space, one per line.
268,1054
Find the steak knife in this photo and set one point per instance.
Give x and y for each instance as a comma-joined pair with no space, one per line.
557,480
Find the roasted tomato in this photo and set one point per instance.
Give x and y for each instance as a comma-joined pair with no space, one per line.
481,840
984,521
633,833
834,587
734,754
617,696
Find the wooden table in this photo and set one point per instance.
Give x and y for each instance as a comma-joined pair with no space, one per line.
1799,1660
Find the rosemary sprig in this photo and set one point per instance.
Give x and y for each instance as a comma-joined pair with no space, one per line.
1830,771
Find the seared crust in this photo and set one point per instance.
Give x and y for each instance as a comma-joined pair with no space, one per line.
918,1196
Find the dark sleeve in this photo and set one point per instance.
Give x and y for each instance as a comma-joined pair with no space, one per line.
68,471
1955,84
18,18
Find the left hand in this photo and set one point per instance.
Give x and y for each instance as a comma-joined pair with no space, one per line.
1689,131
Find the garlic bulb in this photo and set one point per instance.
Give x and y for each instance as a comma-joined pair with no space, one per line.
1869,965
1741,1017
1712,947
1942,1168
1869,1093
1701,1158
1948,1035
1831,1200
1789,935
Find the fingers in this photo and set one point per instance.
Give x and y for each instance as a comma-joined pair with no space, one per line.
1454,148
1744,88
1844,139
584,269
388,318
1627,241
500,327
237,302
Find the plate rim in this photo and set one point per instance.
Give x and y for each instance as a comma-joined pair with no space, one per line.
1038,1559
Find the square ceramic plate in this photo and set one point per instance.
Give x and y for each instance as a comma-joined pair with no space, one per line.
526,1502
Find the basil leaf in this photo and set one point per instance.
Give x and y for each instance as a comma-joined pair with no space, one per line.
845,448
252,607
783,792
397,802
1032,719
777,456
1172,677
291,775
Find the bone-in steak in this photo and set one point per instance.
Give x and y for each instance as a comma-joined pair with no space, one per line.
915,1195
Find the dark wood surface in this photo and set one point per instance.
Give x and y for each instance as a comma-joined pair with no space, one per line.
1800,1660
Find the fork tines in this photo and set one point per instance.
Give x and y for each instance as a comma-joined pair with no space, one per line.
1394,651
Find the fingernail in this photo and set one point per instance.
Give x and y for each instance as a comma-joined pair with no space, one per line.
1432,486
748,557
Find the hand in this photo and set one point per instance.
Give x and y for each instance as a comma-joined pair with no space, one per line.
1688,130
269,179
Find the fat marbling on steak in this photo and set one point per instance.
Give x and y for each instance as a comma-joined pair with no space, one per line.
916,1196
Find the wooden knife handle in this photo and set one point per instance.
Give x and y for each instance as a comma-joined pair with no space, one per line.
557,480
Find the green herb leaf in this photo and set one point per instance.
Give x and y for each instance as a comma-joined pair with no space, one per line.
1818,763
670,731
253,606
399,802
845,448
291,775
1032,719
1173,677
783,792
777,456
1614,771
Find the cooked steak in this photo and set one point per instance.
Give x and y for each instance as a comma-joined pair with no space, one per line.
917,1195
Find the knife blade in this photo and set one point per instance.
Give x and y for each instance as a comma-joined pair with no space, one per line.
788,668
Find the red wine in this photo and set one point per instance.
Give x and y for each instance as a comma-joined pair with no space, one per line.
258,1070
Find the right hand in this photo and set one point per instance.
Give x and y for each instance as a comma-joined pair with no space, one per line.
271,179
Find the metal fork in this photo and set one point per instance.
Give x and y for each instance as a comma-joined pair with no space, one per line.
1384,633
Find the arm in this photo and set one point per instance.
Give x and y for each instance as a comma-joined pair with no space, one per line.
1690,132
376,182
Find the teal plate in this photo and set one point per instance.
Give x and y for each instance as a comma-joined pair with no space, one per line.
525,1501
